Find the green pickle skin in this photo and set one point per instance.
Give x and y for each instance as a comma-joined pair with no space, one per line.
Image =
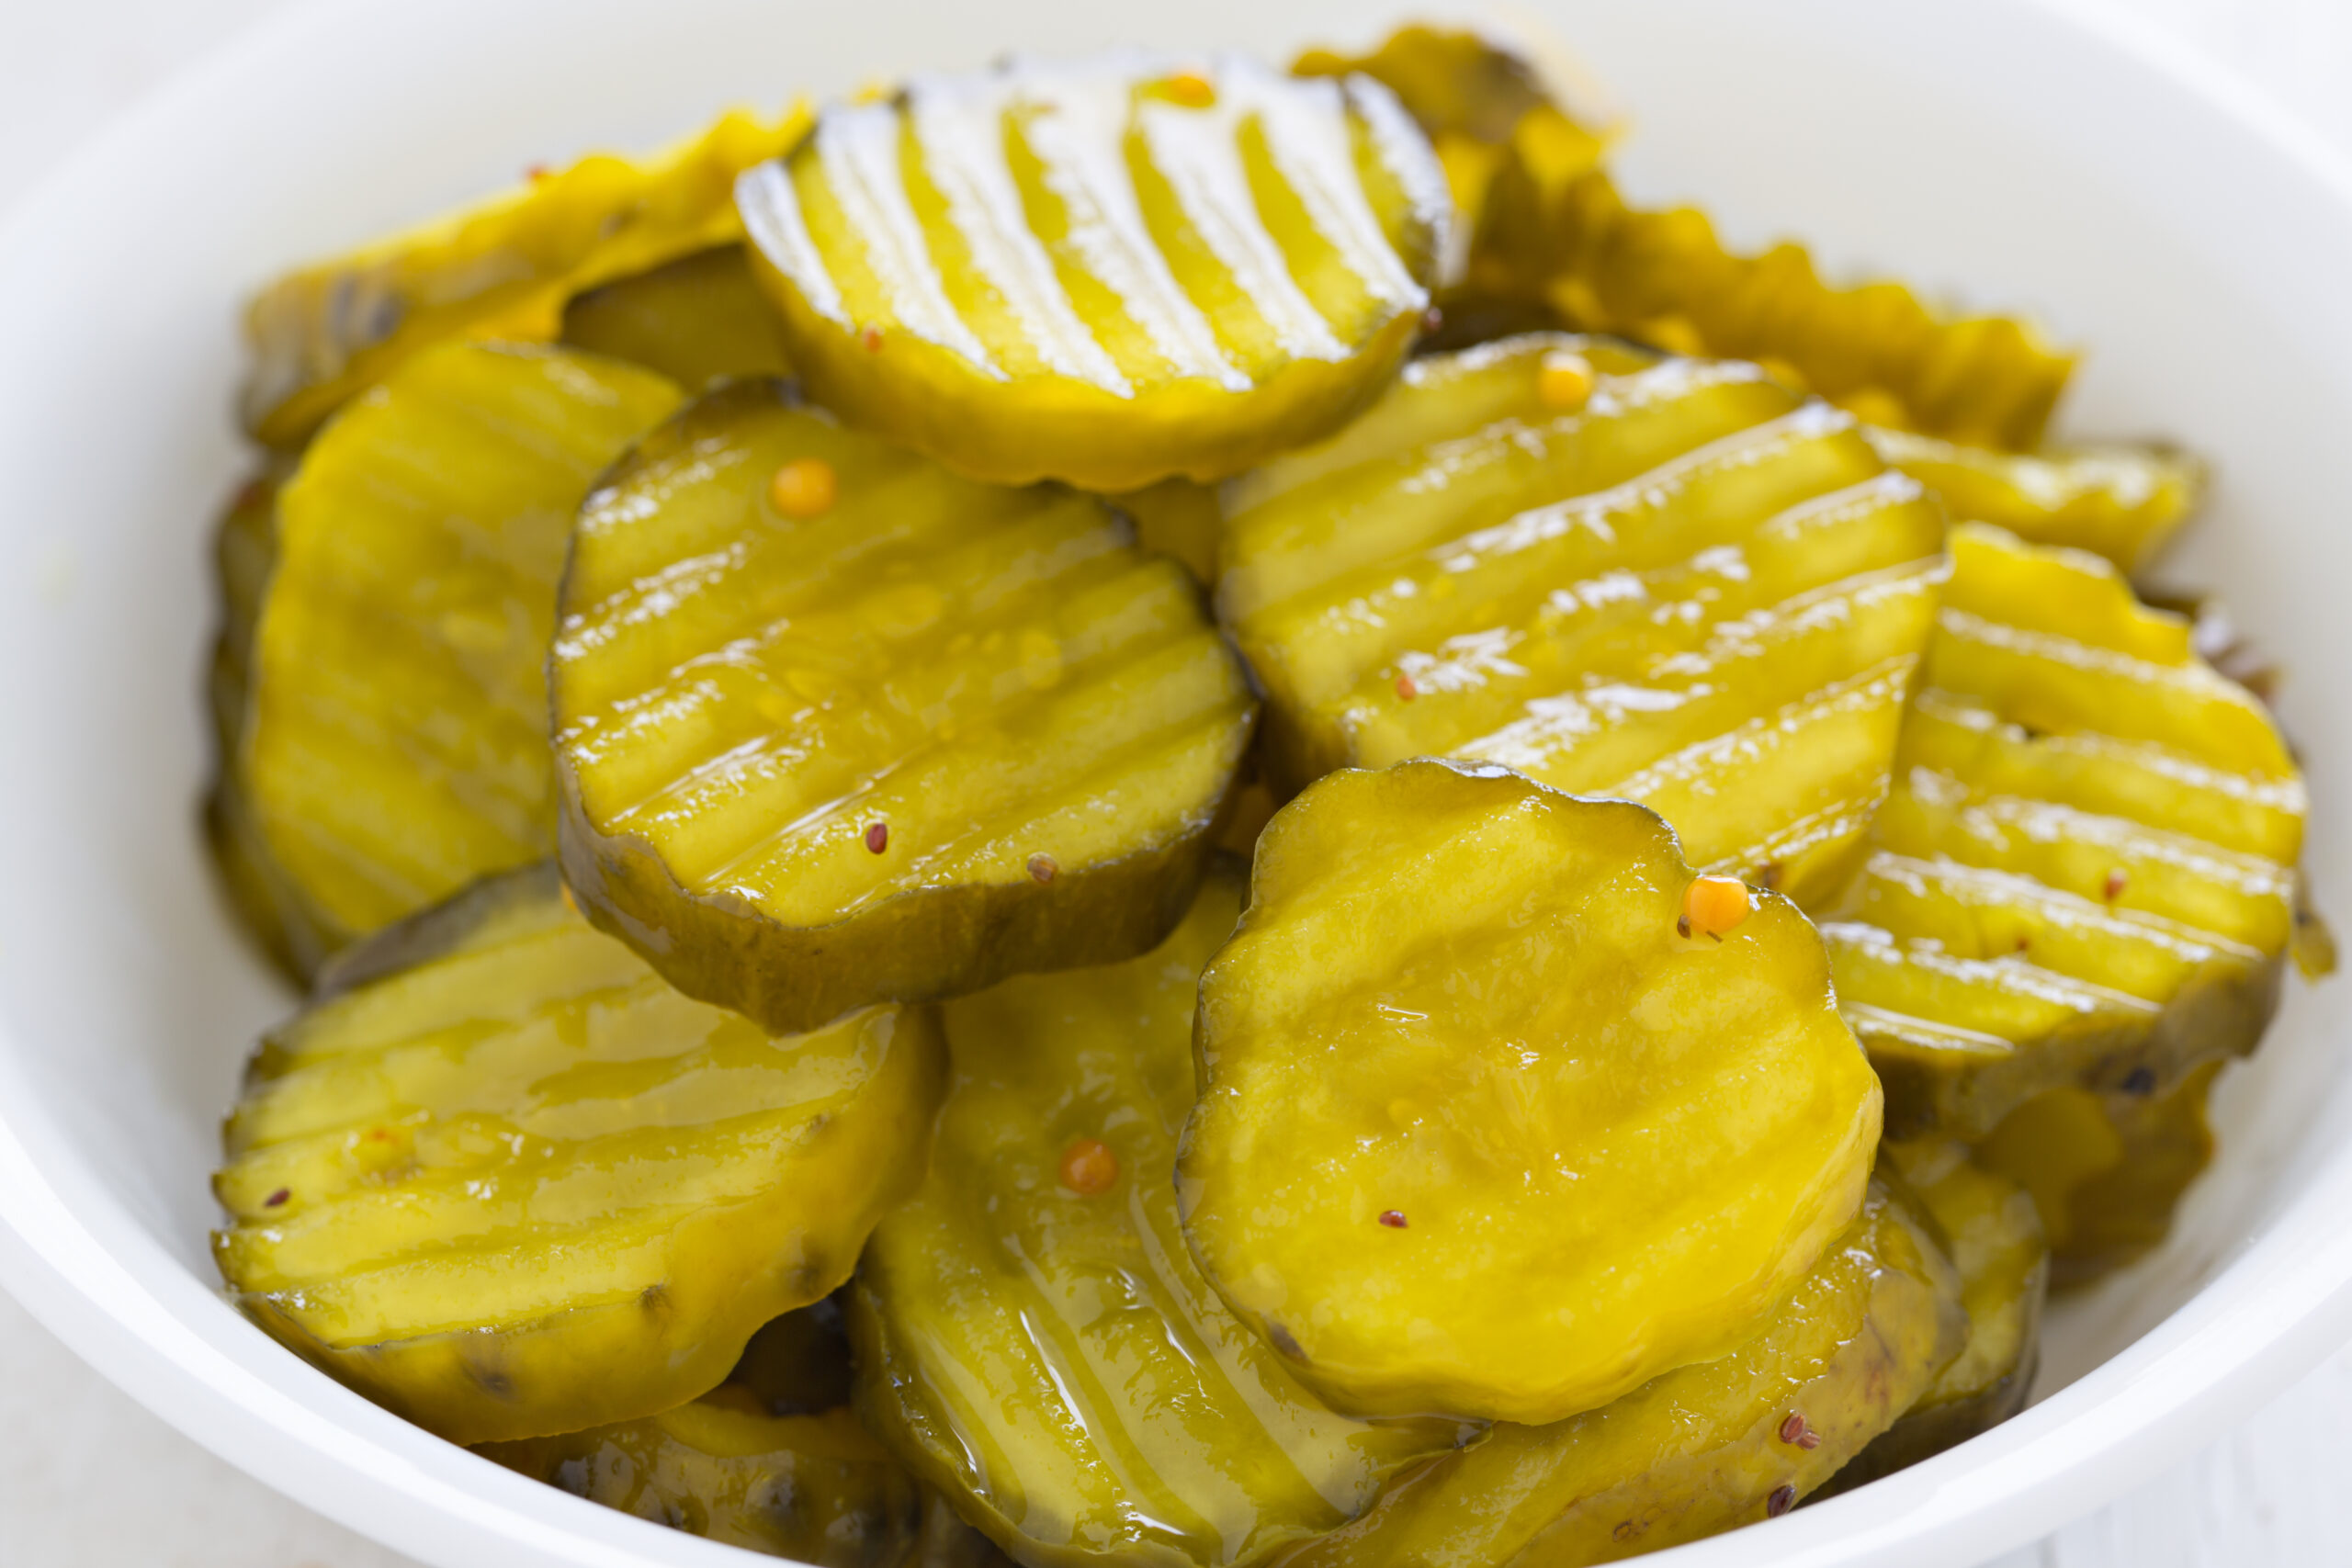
1054,1362
500,1179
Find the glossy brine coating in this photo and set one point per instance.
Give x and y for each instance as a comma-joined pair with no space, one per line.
504,270
503,1181
394,745
1052,1357
2121,501
2085,872
1669,581
1109,271
1697,1451
1474,1031
934,734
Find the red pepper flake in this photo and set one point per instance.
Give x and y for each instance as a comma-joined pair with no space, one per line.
1042,868
1783,1499
276,1199
534,173
1392,1218
2114,885
872,338
1406,689
877,837
1768,876
2024,943
1089,1167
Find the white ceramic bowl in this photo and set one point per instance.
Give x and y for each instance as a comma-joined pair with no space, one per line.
2016,155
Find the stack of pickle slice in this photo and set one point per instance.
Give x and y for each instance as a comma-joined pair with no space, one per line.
1741,897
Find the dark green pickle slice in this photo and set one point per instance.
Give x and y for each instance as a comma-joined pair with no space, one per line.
1034,1337
876,732
503,1180
1669,581
1697,1451
2085,872
701,318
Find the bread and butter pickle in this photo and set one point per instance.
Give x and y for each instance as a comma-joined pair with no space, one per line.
1474,1029
835,725
698,319
2085,872
1109,271
1671,580
395,744
503,1180
503,270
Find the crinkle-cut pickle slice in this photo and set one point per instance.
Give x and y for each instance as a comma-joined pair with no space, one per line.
2107,1170
1108,272
1034,1336
919,734
2122,501
813,1488
2085,872
698,319
395,743
1669,580
503,1181
1694,1452
1503,1114
504,269
1993,1233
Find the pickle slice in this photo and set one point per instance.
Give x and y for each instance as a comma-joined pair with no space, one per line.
1993,1234
1474,1031
1665,579
926,735
2085,871
2106,1170
1034,1337
1110,272
502,1181
698,319
1697,1451
395,746
504,269
2124,503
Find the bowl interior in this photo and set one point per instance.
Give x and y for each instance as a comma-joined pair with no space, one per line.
2001,153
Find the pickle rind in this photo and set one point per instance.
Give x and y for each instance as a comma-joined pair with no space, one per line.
945,733
502,1181
1158,1430
1698,1450
504,269
1441,1094
1109,272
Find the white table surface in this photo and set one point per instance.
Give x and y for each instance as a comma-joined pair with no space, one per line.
89,1480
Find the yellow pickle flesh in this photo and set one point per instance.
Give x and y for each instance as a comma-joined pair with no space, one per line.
1472,1028
1035,1340
505,269
1696,1452
896,746
500,1180
1669,581
394,747
1108,272
2085,872
698,319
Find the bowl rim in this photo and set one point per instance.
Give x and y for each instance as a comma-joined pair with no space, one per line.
130,1309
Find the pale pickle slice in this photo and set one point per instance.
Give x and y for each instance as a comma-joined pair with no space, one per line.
1670,581
2107,1170
2122,501
1697,1451
395,741
1034,1336
905,737
1993,1233
2085,871
503,1181
698,319
1473,1029
1108,272
503,269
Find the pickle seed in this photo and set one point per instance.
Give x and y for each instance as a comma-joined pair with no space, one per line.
1406,689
